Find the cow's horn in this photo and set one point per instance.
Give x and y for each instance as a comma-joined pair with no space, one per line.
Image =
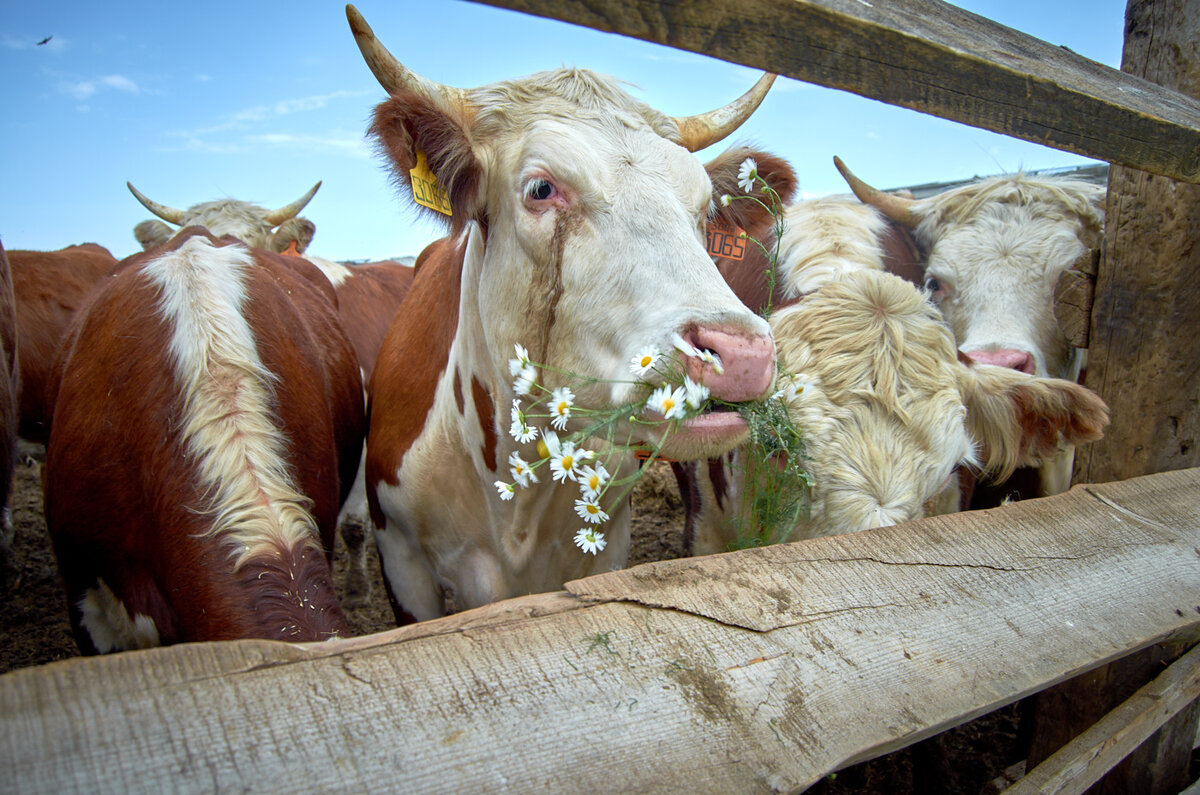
277,217
698,132
898,208
391,74
161,210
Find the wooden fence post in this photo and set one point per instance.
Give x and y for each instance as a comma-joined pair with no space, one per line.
1143,360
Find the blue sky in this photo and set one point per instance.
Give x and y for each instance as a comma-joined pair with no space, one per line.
260,100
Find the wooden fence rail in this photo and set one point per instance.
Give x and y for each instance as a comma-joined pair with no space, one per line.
758,670
928,56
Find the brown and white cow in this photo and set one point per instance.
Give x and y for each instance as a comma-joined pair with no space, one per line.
993,252
207,423
886,408
10,377
49,287
577,231
253,225
368,297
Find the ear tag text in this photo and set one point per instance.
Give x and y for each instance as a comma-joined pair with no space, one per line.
426,190
726,241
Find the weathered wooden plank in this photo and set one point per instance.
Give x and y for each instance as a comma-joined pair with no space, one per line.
751,671
1080,763
928,56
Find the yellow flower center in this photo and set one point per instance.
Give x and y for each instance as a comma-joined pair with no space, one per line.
567,462
562,407
668,404
593,509
543,450
594,482
645,362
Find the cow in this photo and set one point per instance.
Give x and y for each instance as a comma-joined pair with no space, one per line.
887,410
207,422
994,249
10,377
49,287
368,296
244,220
576,231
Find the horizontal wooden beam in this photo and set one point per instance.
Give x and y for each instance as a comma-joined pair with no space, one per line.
1082,762
754,670
928,56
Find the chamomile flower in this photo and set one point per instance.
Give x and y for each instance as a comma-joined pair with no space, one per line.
683,345
522,474
506,490
520,362
589,539
667,401
525,380
726,199
644,361
592,479
589,510
796,386
565,462
713,359
561,402
747,174
520,429
694,394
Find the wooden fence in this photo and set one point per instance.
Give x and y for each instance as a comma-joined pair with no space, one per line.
758,670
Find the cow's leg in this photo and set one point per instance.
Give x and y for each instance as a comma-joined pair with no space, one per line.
353,524
414,593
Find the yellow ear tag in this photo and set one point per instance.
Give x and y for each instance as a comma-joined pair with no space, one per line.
426,190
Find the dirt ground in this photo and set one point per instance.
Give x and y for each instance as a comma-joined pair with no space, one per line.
34,630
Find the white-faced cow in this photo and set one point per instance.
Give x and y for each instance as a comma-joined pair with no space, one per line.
994,250
887,409
10,377
48,288
248,222
577,231
207,423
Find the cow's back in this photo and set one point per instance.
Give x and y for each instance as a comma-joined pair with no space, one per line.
9,389
49,287
188,474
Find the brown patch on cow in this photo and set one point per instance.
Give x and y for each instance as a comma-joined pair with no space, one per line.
901,255
459,400
367,301
487,422
294,597
412,359
49,286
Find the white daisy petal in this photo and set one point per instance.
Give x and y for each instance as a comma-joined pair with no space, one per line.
590,540
589,510
506,490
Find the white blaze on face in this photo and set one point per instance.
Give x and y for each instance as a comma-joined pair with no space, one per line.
997,250
599,232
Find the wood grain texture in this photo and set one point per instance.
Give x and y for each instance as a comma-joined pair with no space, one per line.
754,671
924,55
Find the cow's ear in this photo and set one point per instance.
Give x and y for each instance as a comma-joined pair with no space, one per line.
294,231
1022,420
152,233
411,130
743,212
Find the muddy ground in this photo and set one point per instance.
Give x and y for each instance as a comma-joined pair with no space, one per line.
34,630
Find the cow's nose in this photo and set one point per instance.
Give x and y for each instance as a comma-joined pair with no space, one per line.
746,366
1011,358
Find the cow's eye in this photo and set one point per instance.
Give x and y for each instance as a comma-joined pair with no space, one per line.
539,190
934,287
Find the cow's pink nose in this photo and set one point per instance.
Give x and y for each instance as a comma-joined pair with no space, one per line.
747,363
1011,358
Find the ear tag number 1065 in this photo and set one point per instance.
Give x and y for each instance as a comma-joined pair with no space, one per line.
726,241
426,190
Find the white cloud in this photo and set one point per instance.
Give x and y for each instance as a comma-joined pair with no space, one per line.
86,88
200,139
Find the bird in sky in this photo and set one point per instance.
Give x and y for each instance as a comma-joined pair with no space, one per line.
43,41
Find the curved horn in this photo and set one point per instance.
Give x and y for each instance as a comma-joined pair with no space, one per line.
391,74
898,208
697,132
277,217
161,210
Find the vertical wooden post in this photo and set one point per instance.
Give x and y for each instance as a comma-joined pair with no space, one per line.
1144,360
